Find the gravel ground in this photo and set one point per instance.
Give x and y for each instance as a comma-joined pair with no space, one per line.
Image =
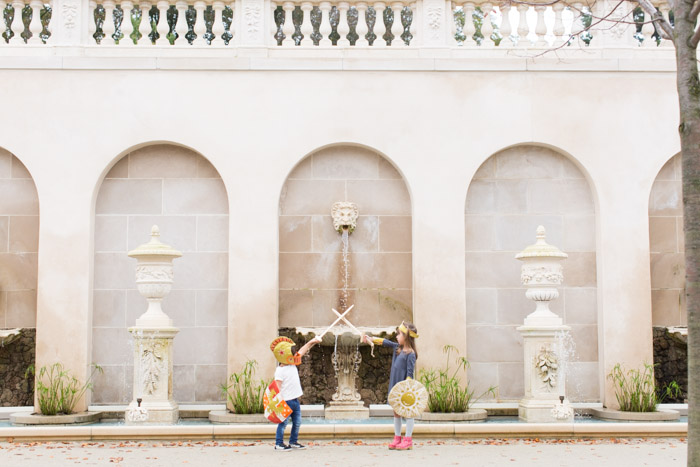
662,452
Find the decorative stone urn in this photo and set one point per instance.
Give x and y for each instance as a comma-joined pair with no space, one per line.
545,388
153,337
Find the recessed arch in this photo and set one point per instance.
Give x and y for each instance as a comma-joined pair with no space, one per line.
310,259
19,246
178,189
513,191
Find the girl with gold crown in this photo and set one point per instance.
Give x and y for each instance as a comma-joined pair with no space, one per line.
403,365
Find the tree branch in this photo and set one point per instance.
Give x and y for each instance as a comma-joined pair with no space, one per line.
695,39
657,17
695,11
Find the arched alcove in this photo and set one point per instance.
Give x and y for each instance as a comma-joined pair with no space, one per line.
310,253
513,192
666,246
19,244
180,191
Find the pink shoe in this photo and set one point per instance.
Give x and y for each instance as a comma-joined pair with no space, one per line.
406,444
396,442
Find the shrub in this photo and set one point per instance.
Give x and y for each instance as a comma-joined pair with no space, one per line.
57,390
245,395
445,392
636,390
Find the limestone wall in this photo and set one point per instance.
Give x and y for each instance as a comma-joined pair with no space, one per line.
181,192
666,246
310,267
512,193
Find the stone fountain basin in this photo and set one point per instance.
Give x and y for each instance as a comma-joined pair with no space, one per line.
345,334
7,336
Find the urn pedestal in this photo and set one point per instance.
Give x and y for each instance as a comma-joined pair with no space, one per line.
542,331
153,334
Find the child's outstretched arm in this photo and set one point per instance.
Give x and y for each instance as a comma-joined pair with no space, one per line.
305,348
378,341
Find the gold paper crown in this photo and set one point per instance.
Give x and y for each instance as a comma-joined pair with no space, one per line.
406,331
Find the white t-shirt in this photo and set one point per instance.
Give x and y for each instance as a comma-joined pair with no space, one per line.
291,386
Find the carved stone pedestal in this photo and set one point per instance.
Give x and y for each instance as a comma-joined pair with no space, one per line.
153,375
544,382
347,403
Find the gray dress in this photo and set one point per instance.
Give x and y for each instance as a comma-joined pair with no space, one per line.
402,364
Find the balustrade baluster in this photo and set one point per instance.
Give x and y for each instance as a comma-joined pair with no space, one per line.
18,27
162,28
486,24
506,29
469,28
541,26
558,24
109,21
523,28
231,14
362,28
3,26
648,31
288,27
200,26
145,25
665,9
343,27
181,25
218,27
451,8
380,27
326,28
35,25
92,27
127,25
307,28
396,27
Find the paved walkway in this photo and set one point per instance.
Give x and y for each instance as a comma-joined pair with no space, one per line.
661,452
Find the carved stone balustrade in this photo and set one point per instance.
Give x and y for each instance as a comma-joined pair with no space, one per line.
324,24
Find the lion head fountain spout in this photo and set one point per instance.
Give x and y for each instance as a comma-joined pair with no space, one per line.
344,216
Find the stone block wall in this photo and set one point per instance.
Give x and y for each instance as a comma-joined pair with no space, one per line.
15,358
666,246
310,276
184,195
671,361
512,193
19,243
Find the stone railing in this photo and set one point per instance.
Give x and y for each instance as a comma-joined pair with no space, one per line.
307,24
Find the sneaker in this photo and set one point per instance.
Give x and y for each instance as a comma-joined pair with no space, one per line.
282,447
297,446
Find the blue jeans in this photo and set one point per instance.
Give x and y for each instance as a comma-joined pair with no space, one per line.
296,423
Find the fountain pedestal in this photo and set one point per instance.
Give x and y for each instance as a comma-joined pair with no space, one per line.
153,337
542,332
346,403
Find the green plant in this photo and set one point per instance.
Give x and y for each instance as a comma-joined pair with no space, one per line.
56,389
636,390
445,391
245,395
